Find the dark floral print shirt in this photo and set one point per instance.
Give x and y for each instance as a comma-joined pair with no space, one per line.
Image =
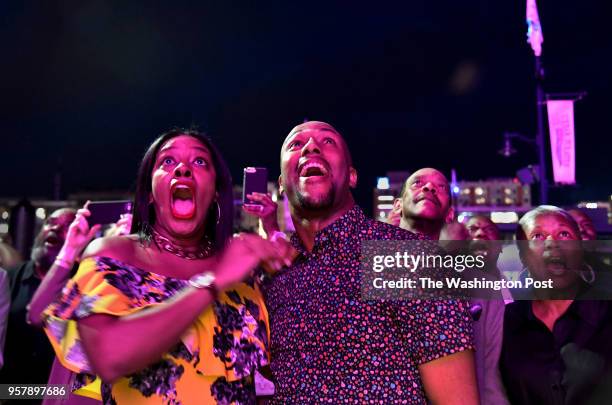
330,346
212,364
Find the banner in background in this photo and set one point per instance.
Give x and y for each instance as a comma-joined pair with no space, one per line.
562,143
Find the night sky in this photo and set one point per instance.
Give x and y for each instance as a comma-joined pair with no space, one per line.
88,84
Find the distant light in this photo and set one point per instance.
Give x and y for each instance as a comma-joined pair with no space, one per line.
479,191
275,197
382,214
5,215
3,228
382,183
456,190
386,198
504,217
385,206
481,200
508,201
508,190
40,213
591,205
461,217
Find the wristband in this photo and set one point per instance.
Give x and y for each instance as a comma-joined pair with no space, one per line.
61,262
72,256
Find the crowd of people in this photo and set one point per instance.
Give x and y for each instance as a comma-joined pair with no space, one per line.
171,308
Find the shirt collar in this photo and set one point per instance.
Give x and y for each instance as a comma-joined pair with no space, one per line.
337,231
591,311
28,271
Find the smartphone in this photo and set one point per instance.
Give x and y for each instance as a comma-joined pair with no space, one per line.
107,212
255,180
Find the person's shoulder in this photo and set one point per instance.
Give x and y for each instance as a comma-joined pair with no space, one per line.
382,231
3,277
16,272
116,247
516,313
9,257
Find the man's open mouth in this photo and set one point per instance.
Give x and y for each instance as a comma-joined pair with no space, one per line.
183,202
52,240
313,169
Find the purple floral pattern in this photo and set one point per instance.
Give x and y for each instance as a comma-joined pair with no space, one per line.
239,338
140,286
160,379
234,392
233,339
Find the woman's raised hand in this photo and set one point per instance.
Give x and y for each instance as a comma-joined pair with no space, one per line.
244,253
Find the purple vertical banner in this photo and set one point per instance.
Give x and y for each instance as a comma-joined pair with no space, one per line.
562,142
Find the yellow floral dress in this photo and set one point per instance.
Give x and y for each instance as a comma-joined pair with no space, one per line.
214,362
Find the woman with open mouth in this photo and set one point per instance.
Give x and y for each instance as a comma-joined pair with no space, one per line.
556,345
164,315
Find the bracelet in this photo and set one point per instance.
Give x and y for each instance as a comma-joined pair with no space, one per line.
63,253
61,262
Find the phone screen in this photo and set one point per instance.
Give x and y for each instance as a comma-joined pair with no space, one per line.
255,180
107,212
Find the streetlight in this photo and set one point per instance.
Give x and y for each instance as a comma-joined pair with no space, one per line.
507,150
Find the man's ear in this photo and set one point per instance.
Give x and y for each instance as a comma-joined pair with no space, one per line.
281,189
352,177
450,215
397,205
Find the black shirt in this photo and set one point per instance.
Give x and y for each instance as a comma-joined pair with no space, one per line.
28,355
570,365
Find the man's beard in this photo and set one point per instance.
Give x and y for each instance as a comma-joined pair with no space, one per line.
311,204
42,255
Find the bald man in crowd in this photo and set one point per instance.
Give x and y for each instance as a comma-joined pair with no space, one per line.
425,206
425,203
328,345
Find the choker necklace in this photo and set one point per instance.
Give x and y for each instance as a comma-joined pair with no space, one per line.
201,252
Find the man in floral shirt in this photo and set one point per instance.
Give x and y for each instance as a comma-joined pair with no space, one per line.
329,345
